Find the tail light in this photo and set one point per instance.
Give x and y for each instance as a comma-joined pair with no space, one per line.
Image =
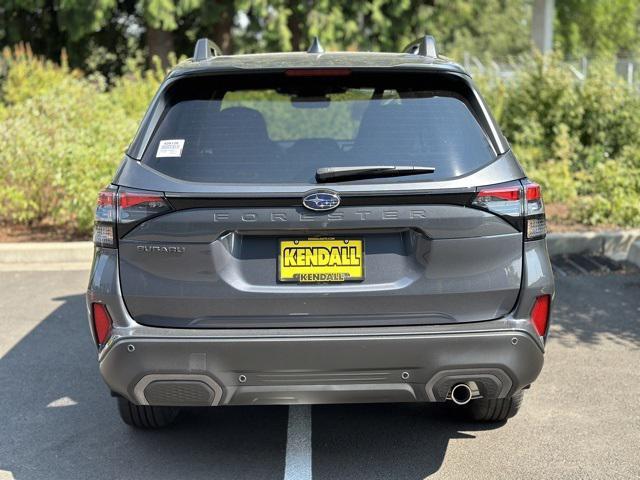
520,204
104,230
540,314
127,208
134,206
535,221
101,322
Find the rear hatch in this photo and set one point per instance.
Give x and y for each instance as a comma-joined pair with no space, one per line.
226,220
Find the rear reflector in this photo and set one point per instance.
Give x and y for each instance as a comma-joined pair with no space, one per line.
101,322
540,314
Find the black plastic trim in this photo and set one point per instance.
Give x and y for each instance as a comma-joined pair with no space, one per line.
185,203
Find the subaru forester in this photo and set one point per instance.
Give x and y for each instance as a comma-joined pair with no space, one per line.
316,227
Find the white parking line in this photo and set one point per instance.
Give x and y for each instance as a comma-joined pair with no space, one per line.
298,457
62,402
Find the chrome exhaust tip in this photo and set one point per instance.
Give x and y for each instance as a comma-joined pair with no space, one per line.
461,394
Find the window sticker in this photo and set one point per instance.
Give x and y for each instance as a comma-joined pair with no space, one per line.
170,148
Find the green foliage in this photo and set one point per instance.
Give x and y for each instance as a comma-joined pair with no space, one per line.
60,144
487,28
31,77
132,92
542,97
579,139
611,193
610,119
597,28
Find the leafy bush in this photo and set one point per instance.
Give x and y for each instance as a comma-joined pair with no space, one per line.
610,195
62,135
579,139
61,138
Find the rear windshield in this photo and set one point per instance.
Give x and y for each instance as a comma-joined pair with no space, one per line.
279,129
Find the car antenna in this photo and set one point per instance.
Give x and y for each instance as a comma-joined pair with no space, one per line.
316,46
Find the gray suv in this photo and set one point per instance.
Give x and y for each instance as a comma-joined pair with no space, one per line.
319,228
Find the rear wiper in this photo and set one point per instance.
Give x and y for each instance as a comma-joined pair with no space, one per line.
328,174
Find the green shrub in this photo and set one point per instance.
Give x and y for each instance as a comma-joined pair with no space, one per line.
611,115
542,96
132,91
610,196
29,76
61,144
579,139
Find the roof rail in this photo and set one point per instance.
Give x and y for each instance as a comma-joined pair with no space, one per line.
423,46
206,49
316,46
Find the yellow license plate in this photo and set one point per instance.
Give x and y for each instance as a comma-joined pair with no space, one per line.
321,260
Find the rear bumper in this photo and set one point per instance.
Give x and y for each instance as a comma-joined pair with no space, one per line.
288,369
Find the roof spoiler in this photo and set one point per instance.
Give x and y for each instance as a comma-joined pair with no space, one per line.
205,49
424,46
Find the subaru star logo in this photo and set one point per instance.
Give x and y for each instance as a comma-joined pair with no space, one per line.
319,201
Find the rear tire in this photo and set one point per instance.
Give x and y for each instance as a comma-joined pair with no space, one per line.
145,416
494,409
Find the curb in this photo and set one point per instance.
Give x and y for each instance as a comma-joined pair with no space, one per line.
634,253
614,244
618,245
46,256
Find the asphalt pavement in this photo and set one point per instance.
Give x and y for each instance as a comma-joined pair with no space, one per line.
581,419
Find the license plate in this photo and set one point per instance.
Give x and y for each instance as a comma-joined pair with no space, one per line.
321,260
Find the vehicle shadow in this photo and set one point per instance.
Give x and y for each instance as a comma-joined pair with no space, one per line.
383,441
589,309
59,422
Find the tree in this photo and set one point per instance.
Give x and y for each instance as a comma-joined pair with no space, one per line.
597,28
104,35
164,20
51,25
388,25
